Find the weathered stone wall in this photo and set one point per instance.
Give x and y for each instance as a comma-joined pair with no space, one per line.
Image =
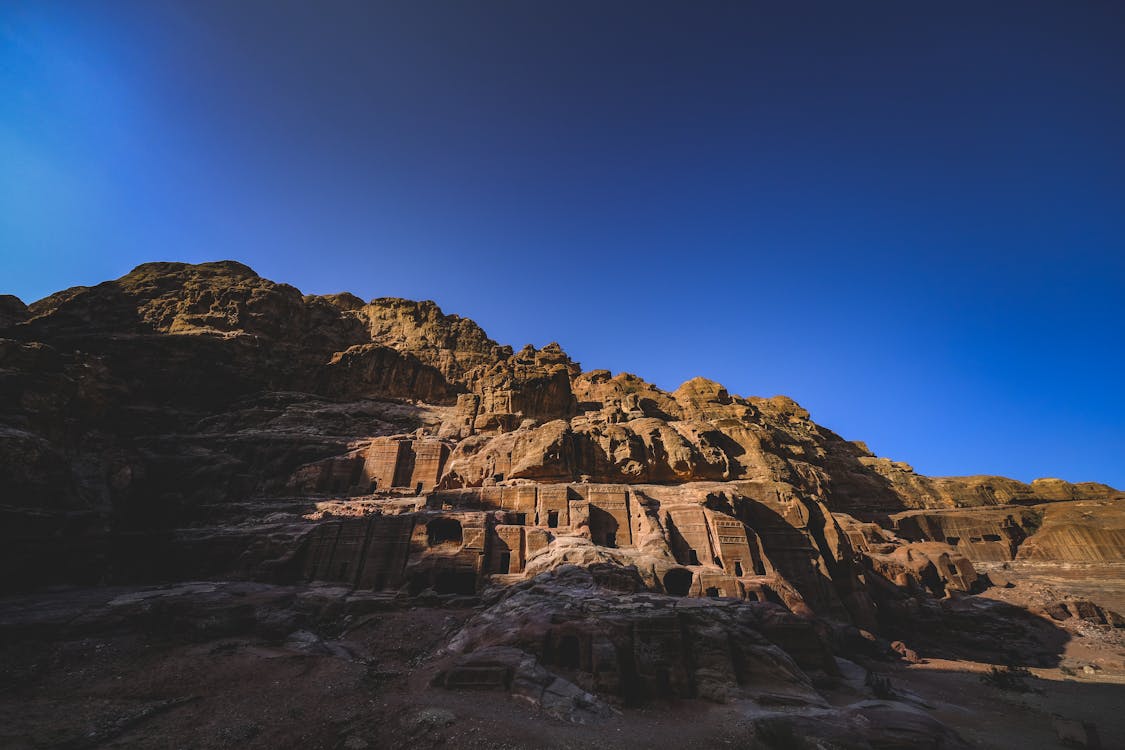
382,462
386,465
366,553
982,535
713,541
1090,531
429,460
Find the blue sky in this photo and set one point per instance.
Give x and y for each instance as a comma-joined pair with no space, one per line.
909,217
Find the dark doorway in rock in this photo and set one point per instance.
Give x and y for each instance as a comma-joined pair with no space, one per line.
404,464
693,557
455,582
738,568
952,540
374,486
505,562
418,489
603,527
931,579
443,531
553,519
713,592
569,653
991,537
677,581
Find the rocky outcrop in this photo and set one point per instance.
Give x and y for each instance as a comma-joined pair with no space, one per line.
584,542
933,567
12,310
918,491
1080,531
194,397
223,299
450,343
596,629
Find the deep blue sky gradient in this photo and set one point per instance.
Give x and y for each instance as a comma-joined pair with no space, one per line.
908,216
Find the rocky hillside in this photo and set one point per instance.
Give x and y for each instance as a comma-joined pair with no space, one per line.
201,423
139,401
181,394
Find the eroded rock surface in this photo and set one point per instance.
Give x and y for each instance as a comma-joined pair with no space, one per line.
181,396
631,544
599,628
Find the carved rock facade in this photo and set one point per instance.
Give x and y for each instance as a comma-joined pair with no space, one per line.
390,446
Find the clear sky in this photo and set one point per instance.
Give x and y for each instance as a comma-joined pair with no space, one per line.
908,216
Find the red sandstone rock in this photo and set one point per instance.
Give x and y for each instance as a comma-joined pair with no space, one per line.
180,393
620,544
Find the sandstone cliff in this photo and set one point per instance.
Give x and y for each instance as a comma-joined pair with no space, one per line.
188,407
349,496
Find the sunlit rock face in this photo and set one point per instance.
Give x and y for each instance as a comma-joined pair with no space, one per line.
198,420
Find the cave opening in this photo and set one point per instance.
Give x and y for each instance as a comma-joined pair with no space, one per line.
443,531
677,581
569,652
455,582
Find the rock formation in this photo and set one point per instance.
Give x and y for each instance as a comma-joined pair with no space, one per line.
180,395
193,422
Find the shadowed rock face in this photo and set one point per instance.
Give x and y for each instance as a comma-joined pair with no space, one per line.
199,420
12,310
286,465
599,628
